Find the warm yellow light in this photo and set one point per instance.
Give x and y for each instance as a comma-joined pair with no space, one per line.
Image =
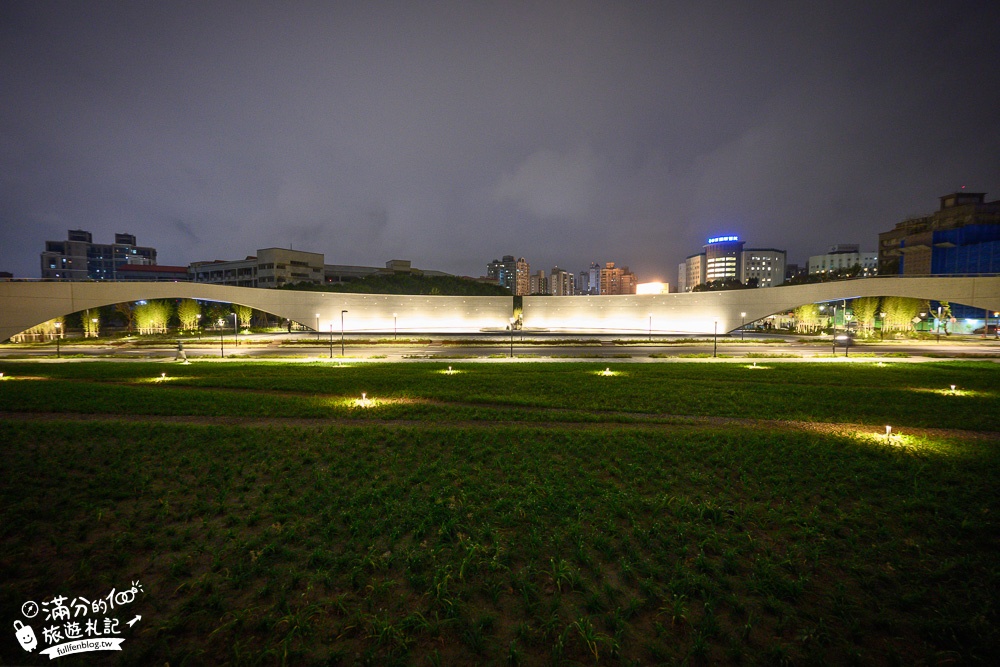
888,431
607,372
364,401
652,288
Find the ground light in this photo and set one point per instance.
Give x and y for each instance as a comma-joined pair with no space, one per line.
953,389
364,401
755,367
450,371
607,372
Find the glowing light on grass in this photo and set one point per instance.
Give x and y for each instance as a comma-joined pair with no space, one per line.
450,371
888,432
880,364
953,390
755,367
607,372
364,401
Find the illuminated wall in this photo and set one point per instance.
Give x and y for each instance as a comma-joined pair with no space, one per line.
24,304
706,312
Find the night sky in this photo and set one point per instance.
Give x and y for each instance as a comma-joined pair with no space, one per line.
453,133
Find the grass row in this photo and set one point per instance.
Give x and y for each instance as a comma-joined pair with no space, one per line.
451,545
915,395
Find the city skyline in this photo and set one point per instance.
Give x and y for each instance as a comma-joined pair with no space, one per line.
450,134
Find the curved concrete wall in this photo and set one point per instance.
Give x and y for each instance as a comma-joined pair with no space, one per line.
698,312
25,304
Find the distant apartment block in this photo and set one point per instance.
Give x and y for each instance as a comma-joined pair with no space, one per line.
514,274
539,282
844,257
617,280
588,281
961,237
561,282
79,258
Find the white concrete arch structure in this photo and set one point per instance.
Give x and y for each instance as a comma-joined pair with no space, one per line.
26,304
698,312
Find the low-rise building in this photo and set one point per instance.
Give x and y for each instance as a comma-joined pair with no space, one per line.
845,257
961,237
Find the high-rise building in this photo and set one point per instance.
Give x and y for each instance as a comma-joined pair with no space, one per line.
561,282
514,274
617,280
843,257
723,258
692,272
961,237
79,258
538,283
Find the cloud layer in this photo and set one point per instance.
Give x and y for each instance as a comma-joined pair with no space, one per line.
452,133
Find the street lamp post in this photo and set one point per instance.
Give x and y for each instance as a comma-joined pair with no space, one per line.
236,329
512,338
317,327
882,315
222,343
394,330
58,332
743,319
342,313
199,325
996,326
93,320
939,325
331,341
650,327
715,340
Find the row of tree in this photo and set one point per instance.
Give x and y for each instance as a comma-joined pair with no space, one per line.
147,317
890,313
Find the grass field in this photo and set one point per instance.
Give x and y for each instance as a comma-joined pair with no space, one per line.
524,513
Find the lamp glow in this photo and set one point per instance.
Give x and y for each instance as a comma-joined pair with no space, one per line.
953,389
888,431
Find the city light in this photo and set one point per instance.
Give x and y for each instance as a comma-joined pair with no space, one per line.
723,239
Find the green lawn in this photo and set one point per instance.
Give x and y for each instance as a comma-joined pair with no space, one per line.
509,513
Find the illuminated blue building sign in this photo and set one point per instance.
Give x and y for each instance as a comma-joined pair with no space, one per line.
723,239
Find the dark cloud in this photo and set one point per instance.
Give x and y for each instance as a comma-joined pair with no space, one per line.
451,133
